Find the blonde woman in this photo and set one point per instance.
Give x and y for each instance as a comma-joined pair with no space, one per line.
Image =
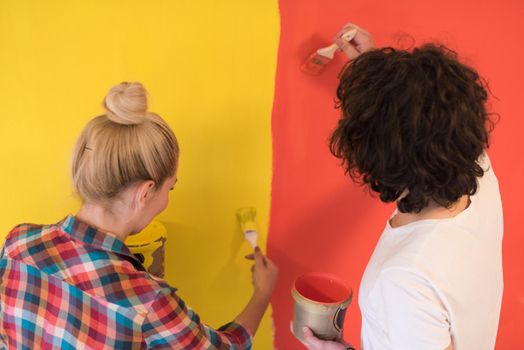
75,284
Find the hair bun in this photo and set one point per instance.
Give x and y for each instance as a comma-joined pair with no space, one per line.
126,103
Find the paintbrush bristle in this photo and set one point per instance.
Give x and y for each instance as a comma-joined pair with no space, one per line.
246,218
315,64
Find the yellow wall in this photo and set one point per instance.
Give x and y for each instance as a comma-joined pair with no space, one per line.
209,67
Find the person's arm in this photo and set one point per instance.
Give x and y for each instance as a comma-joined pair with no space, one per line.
264,277
171,323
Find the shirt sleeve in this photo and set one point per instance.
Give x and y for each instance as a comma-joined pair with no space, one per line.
410,311
170,324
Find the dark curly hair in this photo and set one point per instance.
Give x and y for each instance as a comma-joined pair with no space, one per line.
412,120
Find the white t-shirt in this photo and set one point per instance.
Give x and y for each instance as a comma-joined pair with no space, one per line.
433,282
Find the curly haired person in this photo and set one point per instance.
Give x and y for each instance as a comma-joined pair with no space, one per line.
414,129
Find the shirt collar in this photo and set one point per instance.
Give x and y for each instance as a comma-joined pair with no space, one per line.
97,238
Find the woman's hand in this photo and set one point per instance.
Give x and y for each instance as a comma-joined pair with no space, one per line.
362,42
313,343
264,274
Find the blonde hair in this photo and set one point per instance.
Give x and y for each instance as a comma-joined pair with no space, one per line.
126,145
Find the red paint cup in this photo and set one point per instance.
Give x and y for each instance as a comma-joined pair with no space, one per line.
321,300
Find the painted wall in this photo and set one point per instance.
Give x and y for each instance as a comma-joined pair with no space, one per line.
319,220
209,67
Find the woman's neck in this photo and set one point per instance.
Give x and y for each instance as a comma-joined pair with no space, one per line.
432,211
104,220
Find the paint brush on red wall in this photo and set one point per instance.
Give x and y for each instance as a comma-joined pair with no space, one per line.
316,63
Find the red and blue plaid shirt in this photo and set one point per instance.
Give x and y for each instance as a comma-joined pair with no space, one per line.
71,286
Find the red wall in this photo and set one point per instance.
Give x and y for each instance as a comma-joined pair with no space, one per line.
319,219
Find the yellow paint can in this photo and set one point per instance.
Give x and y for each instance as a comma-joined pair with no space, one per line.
148,247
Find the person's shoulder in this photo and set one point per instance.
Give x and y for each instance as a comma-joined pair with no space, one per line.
27,231
444,254
445,240
157,283
140,288
412,240
428,246
24,228
154,294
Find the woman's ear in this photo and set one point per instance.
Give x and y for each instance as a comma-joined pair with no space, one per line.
144,192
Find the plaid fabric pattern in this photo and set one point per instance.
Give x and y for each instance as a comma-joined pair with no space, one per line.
70,286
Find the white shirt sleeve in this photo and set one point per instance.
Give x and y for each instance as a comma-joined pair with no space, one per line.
410,311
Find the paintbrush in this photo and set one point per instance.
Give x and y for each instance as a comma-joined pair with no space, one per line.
246,218
316,63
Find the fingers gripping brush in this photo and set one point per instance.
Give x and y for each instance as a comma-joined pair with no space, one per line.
246,218
316,63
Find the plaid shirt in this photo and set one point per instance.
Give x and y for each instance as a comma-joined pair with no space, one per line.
70,286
